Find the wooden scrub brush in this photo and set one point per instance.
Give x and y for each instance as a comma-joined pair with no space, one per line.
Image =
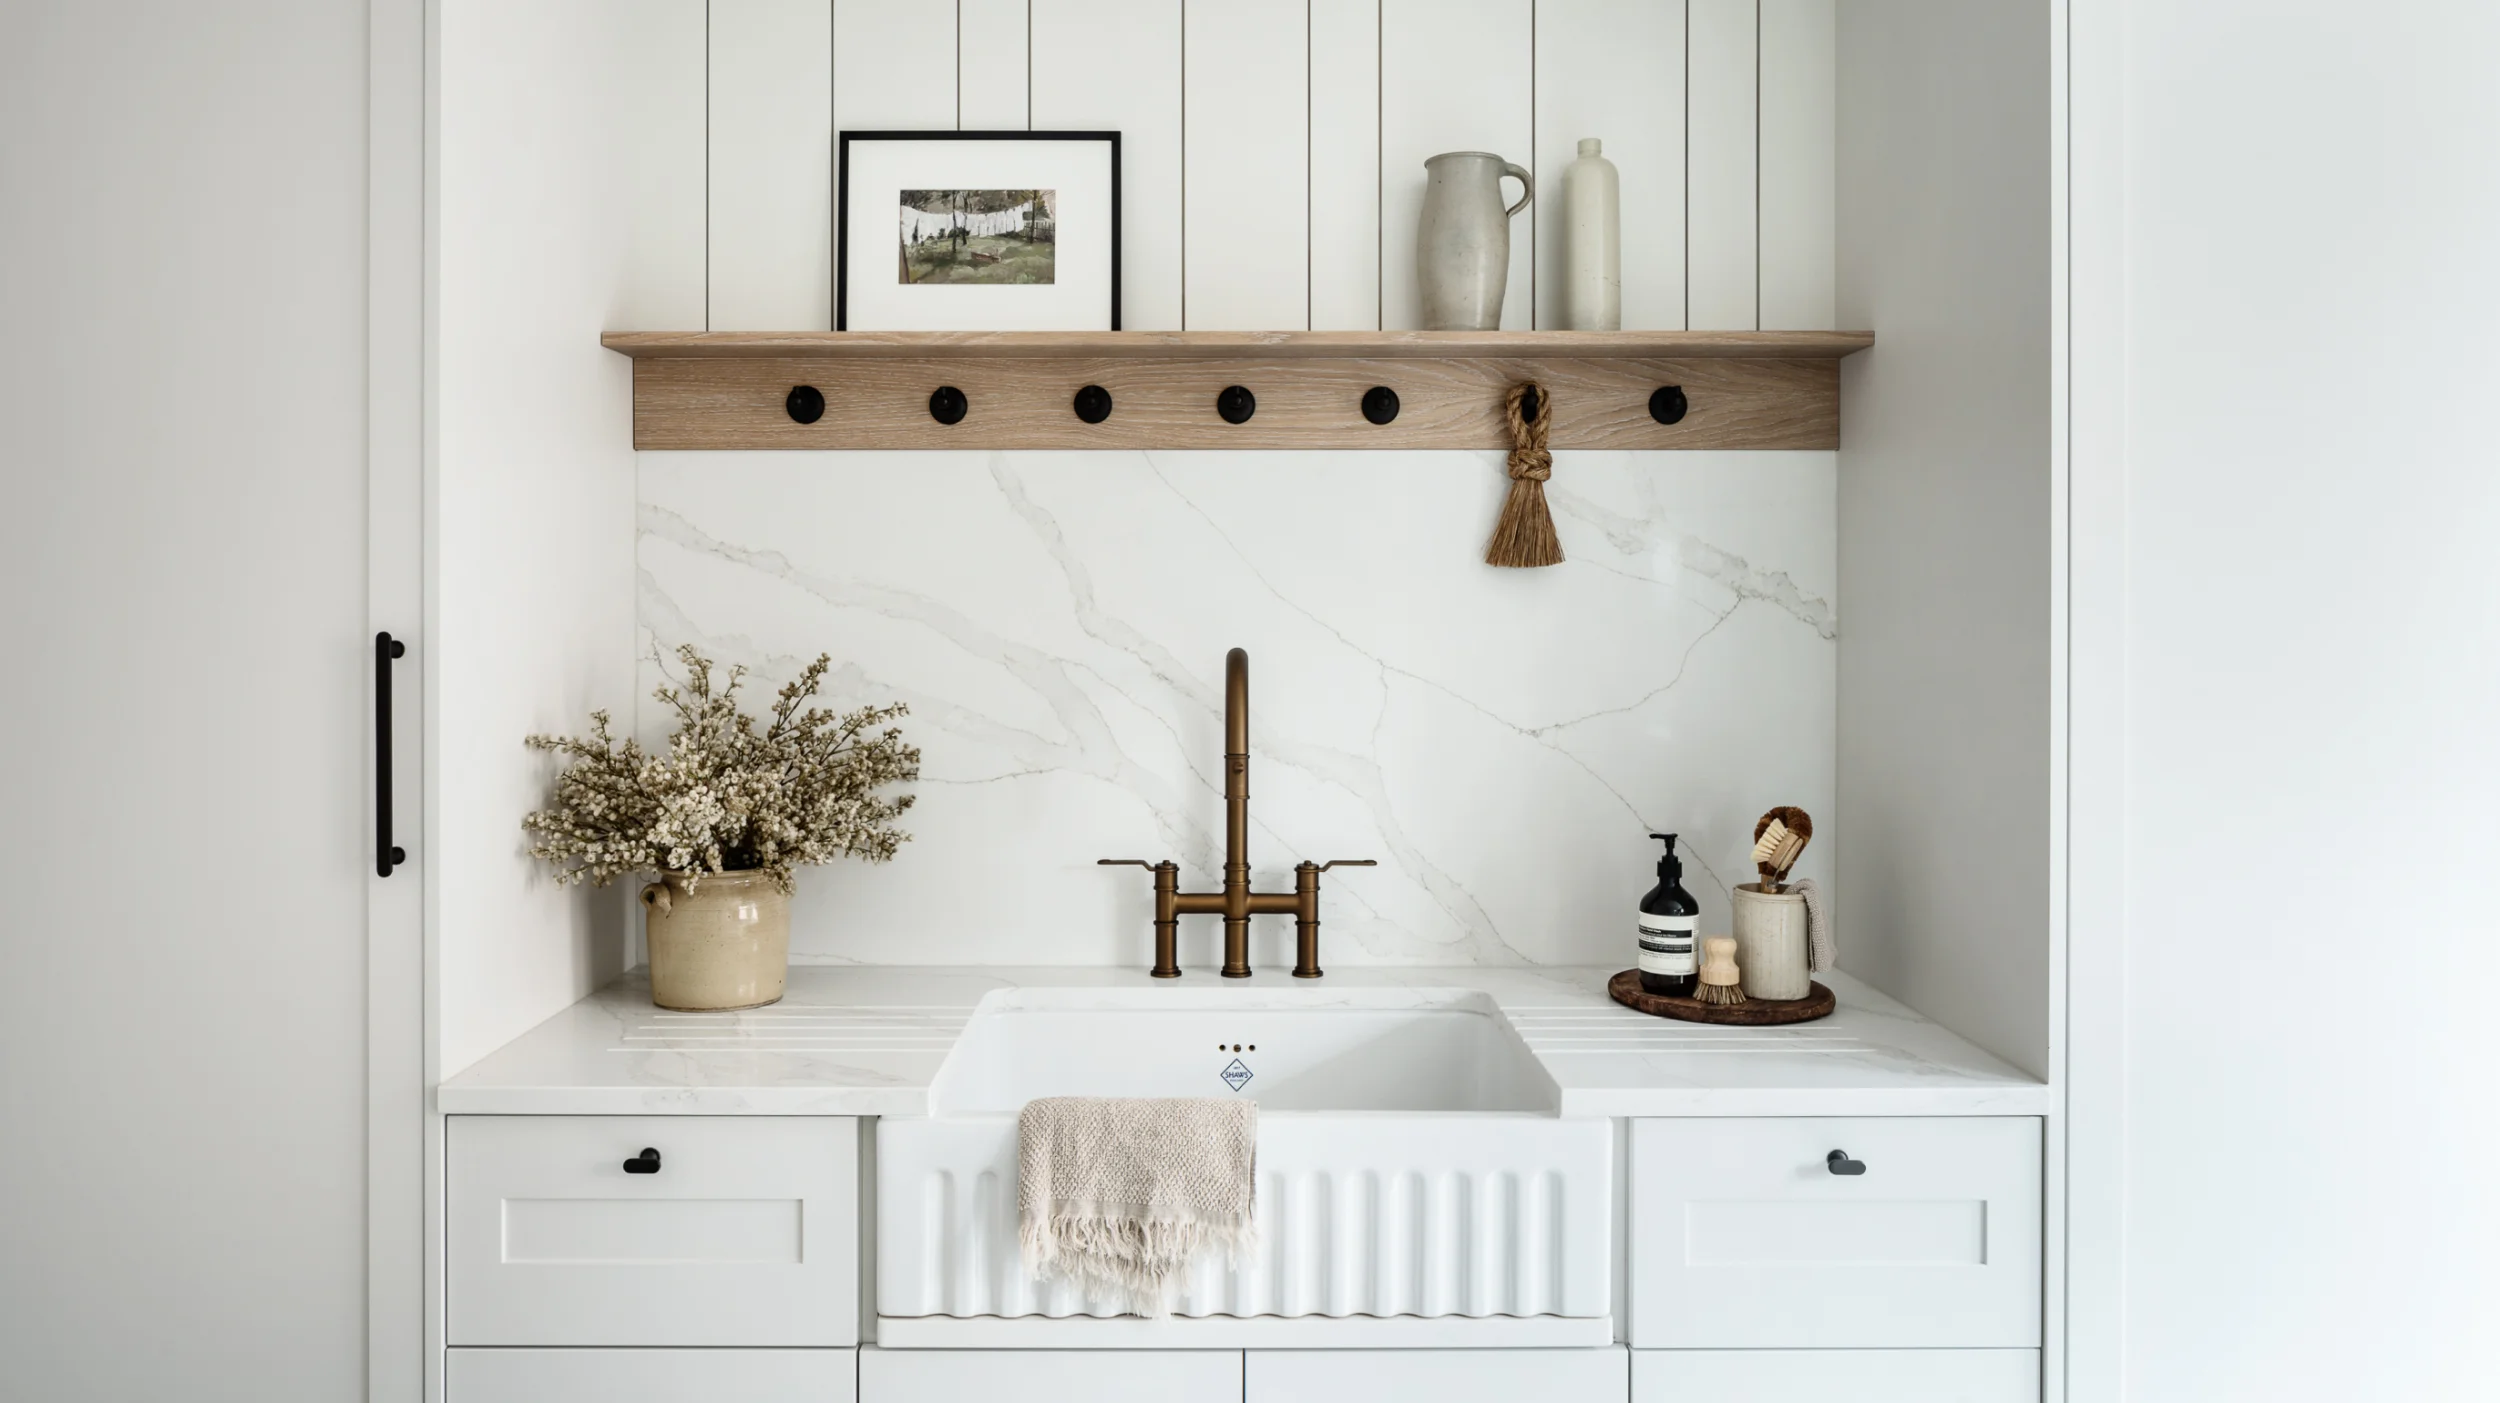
1718,972
1778,837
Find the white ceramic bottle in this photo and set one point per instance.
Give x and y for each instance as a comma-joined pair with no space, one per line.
1592,217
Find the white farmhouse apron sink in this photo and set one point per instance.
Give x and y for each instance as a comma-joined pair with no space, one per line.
1410,1160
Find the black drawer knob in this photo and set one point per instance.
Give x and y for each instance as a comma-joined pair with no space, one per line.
648,1162
806,404
1236,404
1837,1161
1093,404
1666,404
947,405
1380,404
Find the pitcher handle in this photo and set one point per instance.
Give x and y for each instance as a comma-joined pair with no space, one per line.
1527,185
656,897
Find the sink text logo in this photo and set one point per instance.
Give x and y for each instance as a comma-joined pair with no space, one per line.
1236,1076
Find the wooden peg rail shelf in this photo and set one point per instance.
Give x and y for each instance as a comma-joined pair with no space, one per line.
1216,389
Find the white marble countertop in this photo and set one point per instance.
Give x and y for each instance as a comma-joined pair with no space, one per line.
868,1040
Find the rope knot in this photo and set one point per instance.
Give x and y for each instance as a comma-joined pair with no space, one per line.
1525,534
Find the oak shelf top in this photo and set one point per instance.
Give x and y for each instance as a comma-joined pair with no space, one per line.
1234,345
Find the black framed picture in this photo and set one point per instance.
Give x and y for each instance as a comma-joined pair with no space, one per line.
978,231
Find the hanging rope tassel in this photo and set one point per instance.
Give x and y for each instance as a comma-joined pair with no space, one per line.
1524,537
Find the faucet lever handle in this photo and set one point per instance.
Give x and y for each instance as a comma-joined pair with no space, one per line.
1124,862
1349,862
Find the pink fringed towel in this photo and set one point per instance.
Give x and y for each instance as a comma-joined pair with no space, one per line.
1118,1196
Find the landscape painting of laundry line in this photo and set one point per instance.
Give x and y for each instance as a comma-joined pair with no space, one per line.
979,236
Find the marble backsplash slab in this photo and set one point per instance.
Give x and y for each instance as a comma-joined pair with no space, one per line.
1501,740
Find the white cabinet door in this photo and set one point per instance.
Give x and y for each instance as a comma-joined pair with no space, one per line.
1049,1375
1744,1237
649,1376
746,1233
1441,1375
1827,1375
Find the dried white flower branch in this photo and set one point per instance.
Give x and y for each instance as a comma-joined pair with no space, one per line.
726,798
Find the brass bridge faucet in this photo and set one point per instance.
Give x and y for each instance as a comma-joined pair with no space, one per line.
1236,903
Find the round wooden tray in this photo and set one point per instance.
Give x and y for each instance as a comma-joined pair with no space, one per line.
1752,1013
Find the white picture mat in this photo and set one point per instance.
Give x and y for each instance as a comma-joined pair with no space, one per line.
874,299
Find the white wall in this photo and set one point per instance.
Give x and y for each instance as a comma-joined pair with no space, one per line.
2311,680
185,824
1273,149
1945,754
536,251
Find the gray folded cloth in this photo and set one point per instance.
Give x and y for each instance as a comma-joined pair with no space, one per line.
1120,1195
1822,947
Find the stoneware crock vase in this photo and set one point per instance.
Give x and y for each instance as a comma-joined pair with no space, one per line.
1771,943
1462,244
723,945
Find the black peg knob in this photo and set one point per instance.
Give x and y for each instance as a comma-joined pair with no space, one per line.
1529,406
1093,404
648,1162
806,404
1838,1162
947,405
1380,404
1236,404
1666,404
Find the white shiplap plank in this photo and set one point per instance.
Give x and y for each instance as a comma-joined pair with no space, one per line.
1246,180
1616,72
893,65
1722,209
1116,65
1800,138
1345,165
993,63
659,99
1455,75
771,152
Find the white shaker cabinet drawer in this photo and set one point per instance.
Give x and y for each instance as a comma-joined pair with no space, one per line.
1049,1376
1743,1236
1834,1375
745,1233
649,1376
1440,1375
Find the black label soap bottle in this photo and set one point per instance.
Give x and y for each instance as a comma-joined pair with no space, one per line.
1670,954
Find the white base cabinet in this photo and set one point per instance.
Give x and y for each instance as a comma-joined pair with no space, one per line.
1048,1375
1871,1232
645,1231
1826,1375
1441,1375
649,1376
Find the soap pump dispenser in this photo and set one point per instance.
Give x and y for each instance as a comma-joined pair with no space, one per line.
1670,953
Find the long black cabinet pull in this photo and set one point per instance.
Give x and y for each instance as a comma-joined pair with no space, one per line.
385,856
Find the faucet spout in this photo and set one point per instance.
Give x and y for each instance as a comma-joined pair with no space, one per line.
1236,903
1236,815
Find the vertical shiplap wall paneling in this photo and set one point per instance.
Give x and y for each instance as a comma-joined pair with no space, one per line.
659,99
993,64
1615,71
893,65
770,221
1800,142
1345,165
1116,65
1246,176
1722,209
1455,75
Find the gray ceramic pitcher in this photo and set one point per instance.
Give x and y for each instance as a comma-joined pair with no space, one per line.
1462,245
